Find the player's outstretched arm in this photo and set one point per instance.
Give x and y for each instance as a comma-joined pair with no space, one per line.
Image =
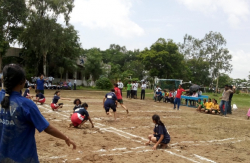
91,122
54,132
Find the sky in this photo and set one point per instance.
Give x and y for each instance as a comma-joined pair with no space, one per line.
137,24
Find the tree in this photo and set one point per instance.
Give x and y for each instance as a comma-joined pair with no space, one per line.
162,59
42,23
199,70
12,15
93,65
135,68
60,70
224,79
210,49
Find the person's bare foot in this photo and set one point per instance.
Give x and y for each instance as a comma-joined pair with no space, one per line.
148,143
70,125
127,111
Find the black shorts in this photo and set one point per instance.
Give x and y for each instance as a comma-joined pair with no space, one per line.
164,141
107,107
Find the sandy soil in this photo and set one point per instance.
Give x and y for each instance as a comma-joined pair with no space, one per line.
195,137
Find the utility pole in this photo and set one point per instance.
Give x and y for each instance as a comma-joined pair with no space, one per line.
218,75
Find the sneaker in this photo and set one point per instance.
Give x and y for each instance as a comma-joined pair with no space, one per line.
174,108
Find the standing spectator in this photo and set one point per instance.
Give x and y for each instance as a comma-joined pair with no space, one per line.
143,87
174,93
129,85
40,84
74,83
177,99
70,85
134,88
225,100
120,86
229,111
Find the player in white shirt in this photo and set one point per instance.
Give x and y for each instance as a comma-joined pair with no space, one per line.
134,88
143,87
51,79
120,86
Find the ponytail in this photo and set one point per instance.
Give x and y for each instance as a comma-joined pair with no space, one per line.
56,92
157,120
12,76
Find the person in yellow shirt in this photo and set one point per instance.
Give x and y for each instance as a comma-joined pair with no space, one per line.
215,108
204,105
208,106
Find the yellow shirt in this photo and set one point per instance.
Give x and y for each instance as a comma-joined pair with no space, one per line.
216,106
209,105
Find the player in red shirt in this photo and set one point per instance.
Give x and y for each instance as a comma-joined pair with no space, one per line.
119,96
177,99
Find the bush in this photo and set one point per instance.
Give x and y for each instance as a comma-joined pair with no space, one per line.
103,83
237,91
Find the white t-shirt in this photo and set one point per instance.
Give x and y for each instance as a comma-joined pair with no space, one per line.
74,81
156,89
143,86
135,86
51,78
120,85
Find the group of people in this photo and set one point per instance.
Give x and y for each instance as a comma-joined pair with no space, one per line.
42,83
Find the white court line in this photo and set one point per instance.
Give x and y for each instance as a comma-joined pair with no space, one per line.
128,137
203,158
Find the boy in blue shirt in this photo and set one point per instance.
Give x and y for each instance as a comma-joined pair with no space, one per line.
40,84
19,117
158,96
110,101
27,93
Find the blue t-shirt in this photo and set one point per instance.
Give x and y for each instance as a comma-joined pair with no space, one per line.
110,98
26,92
40,95
161,130
39,84
83,112
55,99
159,94
17,130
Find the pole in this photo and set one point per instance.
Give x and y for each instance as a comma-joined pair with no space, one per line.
217,82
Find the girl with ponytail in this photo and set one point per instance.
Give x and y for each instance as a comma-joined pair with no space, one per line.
160,135
19,117
54,104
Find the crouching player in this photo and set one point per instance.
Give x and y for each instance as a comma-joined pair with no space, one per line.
160,135
27,93
39,97
110,101
80,116
55,105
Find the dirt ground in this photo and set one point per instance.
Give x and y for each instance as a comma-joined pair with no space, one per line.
195,137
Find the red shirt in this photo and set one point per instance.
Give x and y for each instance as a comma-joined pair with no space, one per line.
118,93
179,92
170,95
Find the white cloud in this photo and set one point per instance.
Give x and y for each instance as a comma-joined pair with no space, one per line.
106,14
240,64
236,10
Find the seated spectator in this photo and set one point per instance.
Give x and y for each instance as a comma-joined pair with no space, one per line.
204,104
208,106
195,94
158,96
45,85
215,108
165,96
199,92
199,105
171,97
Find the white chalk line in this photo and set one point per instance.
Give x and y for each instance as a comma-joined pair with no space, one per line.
172,153
203,158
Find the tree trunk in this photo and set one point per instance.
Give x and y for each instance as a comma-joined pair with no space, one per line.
1,63
44,64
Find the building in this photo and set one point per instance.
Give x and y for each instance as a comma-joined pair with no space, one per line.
78,74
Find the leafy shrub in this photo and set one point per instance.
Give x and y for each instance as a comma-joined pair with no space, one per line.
237,91
103,83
